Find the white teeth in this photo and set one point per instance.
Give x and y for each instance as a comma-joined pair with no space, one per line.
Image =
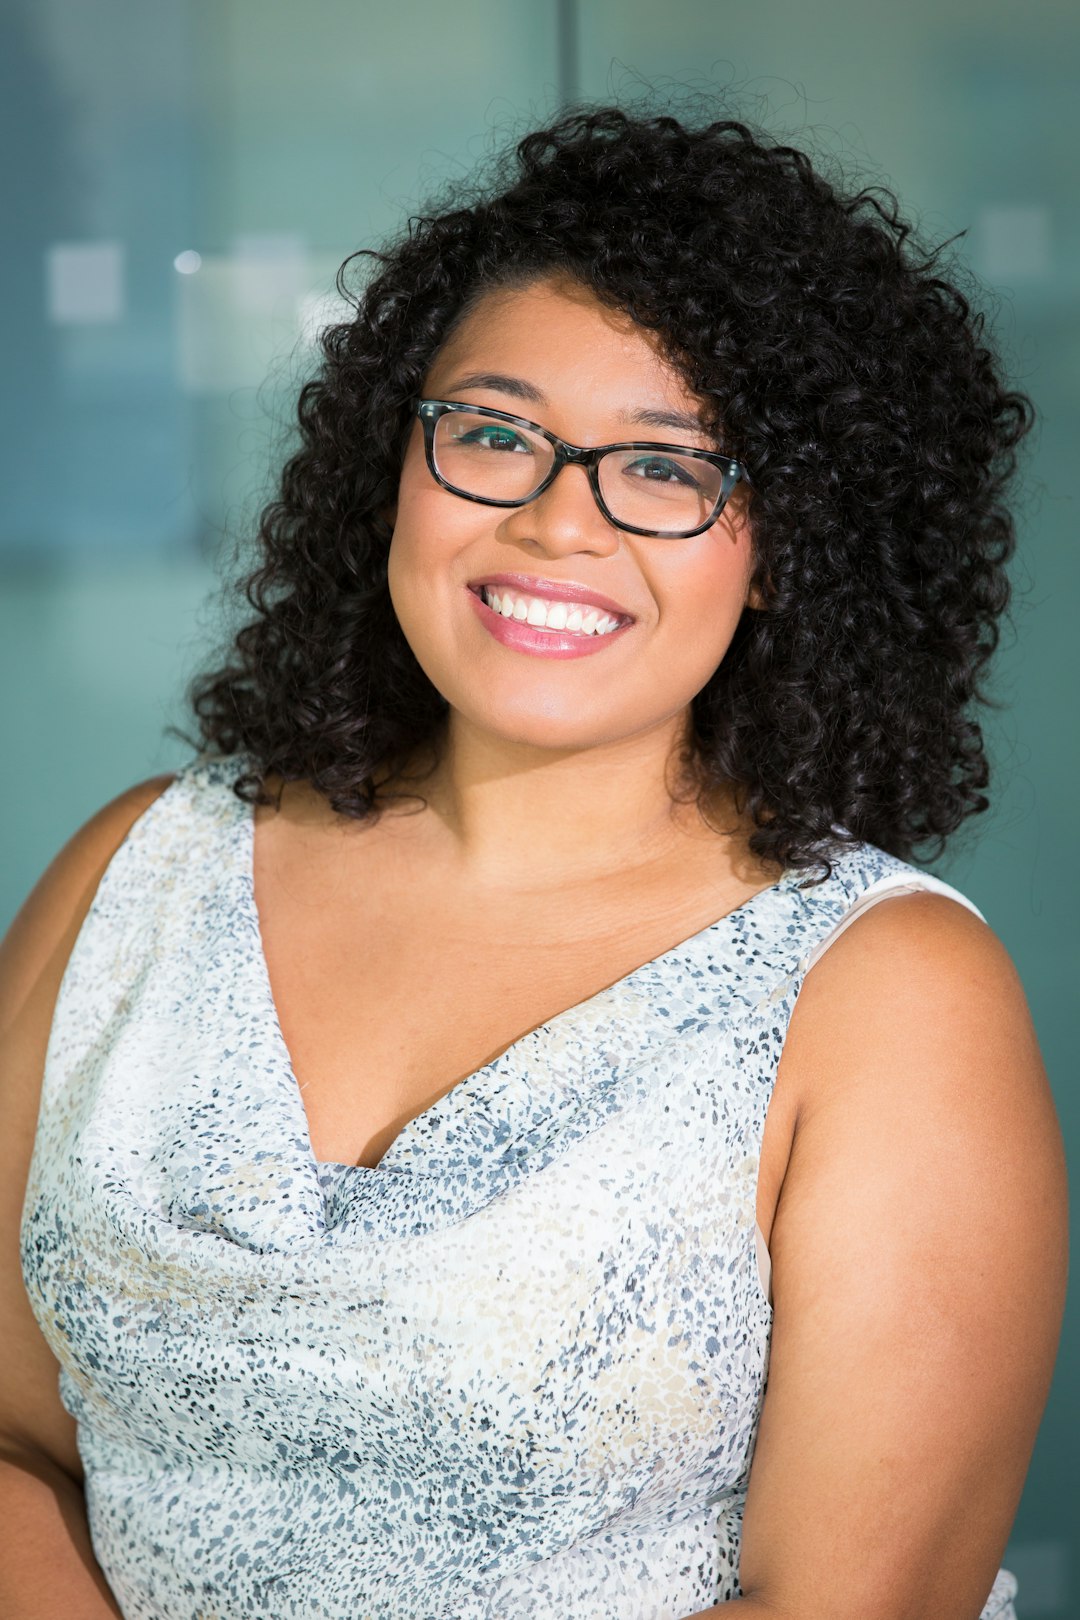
544,614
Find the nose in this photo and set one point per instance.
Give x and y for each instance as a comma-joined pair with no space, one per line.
565,518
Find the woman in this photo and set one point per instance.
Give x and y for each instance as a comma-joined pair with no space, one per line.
446,1056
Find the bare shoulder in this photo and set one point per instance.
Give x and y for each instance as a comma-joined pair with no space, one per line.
53,912
912,1055
919,1251
36,948
33,956
921,980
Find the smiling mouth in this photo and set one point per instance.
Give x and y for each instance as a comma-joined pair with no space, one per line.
541,613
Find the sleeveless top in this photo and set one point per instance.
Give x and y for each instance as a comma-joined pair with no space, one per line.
516,1369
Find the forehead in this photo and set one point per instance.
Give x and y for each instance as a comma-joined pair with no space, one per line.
557,334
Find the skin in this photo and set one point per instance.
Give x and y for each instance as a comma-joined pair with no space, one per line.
912,1181
918,1247
353,918
528,735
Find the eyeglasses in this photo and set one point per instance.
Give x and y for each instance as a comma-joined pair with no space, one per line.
661,490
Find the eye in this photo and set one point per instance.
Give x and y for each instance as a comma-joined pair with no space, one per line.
662,470
494,436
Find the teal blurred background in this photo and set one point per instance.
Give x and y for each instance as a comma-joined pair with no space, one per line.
182,179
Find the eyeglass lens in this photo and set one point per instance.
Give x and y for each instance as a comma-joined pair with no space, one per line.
649,489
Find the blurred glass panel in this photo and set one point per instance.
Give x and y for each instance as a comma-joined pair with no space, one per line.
189,178
185,176
97,104
970,111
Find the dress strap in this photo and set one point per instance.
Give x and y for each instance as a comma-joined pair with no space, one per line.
907,881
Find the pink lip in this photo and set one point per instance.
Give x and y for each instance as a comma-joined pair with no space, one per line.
541,643
554,590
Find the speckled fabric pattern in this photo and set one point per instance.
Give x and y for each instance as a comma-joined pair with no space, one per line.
514,1371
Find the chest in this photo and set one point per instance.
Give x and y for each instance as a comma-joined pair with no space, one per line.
609,1343
380,1026
393,982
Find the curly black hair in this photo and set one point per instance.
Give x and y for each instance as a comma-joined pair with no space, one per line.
853,379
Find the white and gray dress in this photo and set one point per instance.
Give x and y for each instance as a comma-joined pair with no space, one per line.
514,1371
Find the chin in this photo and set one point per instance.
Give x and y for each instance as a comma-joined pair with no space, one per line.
552,729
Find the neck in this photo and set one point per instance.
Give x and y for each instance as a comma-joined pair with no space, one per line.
526,816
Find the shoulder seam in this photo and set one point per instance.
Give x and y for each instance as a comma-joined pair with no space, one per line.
891,885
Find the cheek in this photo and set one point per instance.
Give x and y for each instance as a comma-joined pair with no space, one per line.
703,600
432,530
420,542
409,576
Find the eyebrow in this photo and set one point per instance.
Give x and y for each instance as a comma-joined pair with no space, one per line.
518,388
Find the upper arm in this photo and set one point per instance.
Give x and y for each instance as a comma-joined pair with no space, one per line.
33,956
918,1268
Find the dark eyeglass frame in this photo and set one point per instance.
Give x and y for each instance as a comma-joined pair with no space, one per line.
430,410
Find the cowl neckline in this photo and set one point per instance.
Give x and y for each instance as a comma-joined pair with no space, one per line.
631,1007
235,1161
